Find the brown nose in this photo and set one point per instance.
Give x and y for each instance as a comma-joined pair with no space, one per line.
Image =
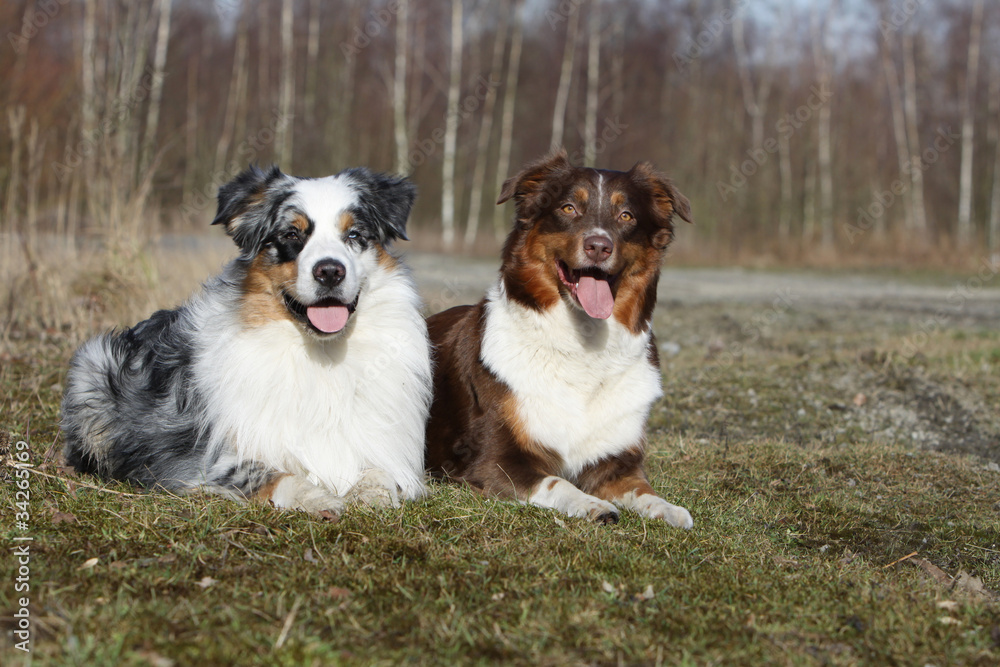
597,248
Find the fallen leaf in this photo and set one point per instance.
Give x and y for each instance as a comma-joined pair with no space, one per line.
207,581
336,592
62,517
308,556
933,570
947,604
608,588
860,399
89,563
647,594
966,582
948,620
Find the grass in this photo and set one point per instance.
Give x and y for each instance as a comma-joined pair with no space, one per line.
803,502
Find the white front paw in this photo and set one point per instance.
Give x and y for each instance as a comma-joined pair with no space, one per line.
376,488
653,507
294,492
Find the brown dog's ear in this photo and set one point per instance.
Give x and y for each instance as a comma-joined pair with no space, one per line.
667,201
527,186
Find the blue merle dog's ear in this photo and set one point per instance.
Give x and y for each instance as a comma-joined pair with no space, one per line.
247,205
384,202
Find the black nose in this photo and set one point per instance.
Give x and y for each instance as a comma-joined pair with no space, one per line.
329,272
598,248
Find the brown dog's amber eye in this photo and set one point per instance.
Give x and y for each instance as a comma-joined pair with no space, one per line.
626,217
568,208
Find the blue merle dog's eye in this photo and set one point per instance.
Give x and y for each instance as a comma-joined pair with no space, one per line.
354,235
291,236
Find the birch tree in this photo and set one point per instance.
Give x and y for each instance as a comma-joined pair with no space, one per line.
565,78
593,79
399,90
824,140
913,137
156,89
507,120
283,132
891,76
993,227
235,97
965,230
485,132
451,129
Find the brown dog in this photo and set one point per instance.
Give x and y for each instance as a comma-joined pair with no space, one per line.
542,390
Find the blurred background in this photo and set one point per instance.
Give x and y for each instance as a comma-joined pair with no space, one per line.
828,132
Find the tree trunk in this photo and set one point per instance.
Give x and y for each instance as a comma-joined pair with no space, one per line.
485,132
823,131
507,120
565,79
312,61
593,80
913,138
156,90
785,173
234,100
284,133
994,224
898,125
451,129
965,227
399,90
87,66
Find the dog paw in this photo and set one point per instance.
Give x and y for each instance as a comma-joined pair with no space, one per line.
561,495
375,489
653,507
297,493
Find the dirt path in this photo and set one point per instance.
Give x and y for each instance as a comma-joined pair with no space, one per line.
450,280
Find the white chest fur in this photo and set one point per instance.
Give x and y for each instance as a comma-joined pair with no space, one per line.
584,387
325,411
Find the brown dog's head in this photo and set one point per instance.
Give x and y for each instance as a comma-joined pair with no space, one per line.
595,238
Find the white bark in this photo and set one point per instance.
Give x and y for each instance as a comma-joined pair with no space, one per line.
823,132
283,133
87,65
507,120
485,131
593,80
312,61
993,227
898,125
399,90
451,129
156,89
565,79
965,227
913,138
234,100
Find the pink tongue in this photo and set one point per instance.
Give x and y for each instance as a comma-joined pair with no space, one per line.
595,297
328,319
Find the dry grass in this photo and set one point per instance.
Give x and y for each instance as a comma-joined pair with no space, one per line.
804,504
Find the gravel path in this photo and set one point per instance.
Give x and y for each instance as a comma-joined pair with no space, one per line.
452,280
